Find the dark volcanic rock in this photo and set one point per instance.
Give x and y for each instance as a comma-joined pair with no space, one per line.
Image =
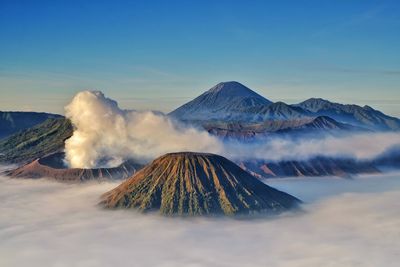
190,183
53,167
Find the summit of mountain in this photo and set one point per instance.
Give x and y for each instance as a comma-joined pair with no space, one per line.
224,101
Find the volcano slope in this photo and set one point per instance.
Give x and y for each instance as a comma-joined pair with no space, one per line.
188,183
52,167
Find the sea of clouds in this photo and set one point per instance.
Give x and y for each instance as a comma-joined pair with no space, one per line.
344,223
106,135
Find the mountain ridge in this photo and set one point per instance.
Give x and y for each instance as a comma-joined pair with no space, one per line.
35,142
243,131
241,104
12,122
350,113
52,167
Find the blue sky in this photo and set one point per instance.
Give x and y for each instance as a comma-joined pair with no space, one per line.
160,54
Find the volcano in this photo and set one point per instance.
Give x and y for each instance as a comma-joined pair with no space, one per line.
53,167
224,101
189,183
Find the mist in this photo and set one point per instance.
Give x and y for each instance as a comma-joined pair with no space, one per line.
106,135
355,223
359,146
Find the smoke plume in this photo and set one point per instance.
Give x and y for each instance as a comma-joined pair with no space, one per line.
106,135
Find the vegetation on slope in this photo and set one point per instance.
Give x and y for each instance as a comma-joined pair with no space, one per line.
40,140
190,183
14,121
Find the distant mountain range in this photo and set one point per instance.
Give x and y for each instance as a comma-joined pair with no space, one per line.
314,167
234,102
360,116
32,147
230,111
12,122
248,131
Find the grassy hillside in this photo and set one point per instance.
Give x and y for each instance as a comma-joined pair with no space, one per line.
12,122
42,139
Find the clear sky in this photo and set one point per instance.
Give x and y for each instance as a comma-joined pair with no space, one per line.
160,54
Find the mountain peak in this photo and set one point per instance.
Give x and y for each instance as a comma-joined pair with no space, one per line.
223,101
317,100
228,84
316,104
231,86
191,183
234,89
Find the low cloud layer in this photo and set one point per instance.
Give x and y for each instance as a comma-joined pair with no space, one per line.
361,146
105,135
51,224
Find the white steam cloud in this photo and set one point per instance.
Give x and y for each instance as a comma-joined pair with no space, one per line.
106,135
105,132
45,223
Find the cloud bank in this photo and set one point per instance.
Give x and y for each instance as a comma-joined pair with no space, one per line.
361,146
52,224
105,135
